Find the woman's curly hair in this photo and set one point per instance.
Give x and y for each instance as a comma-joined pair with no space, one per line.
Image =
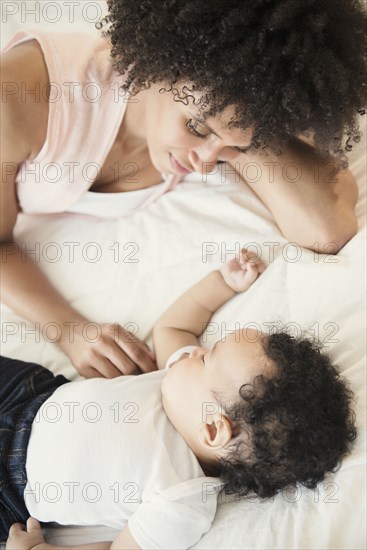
288,67
291,428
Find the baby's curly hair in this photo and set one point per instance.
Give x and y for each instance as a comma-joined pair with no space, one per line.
291,428
288,67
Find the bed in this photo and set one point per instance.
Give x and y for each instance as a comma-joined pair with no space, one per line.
178,239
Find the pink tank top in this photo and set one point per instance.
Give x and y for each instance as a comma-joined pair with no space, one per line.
86,109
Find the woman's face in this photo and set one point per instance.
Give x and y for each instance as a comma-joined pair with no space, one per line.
171,141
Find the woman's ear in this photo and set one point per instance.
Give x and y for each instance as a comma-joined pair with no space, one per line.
215,433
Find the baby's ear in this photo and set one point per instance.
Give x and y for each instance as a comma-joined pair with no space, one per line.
216,432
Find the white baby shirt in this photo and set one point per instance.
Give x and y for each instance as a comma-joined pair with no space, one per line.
103,451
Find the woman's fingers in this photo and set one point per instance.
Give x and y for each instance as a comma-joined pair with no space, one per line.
136,351
109,362
140,356
112,369
122,362
120,353
90,372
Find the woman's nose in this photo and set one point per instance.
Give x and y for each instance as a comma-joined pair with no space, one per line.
204,160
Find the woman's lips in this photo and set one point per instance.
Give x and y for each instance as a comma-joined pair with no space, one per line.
177,166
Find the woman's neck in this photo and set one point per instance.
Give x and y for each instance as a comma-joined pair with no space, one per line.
132,132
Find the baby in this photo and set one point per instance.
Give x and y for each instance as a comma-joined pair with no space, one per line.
150,453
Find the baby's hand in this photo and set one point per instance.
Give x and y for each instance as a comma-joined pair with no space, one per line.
25,537
242,271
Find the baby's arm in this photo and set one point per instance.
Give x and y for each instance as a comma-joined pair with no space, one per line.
185,320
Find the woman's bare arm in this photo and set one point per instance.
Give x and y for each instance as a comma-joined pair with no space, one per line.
24,287
316,210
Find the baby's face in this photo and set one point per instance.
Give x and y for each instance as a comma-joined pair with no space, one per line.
187,389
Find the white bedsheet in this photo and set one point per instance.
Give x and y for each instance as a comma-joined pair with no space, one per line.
323,294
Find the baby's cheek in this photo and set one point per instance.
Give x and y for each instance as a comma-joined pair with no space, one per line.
171,382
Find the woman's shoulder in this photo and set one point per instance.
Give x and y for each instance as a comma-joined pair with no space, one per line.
26,88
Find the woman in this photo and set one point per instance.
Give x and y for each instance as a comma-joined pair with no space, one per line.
206,82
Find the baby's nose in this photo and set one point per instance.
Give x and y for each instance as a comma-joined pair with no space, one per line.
196,352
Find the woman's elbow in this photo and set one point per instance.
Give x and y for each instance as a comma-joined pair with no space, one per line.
332,239
345,233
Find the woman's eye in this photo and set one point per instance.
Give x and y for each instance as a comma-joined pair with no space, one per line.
191,127
241,149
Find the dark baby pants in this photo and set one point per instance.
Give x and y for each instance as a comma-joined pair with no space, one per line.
23,389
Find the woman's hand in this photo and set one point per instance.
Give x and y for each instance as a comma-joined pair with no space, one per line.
23,537
241,272
110,352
